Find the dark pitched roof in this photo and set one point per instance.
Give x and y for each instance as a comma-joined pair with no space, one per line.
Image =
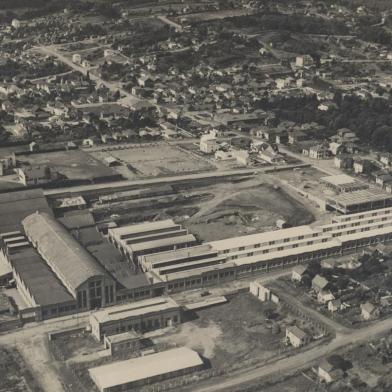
15,206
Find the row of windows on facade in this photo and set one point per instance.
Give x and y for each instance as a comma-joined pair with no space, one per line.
199,280
143,326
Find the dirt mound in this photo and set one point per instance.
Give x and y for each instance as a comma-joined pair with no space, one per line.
250,210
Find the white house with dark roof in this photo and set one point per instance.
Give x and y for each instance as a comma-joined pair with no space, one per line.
296,337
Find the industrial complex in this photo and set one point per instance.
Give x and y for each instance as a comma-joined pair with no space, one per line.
68,265
195,196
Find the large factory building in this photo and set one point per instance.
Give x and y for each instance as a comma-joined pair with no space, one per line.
84,278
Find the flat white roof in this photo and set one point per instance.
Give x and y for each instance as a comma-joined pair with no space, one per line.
260,238
123,337
134,309
136,369
360,197
340,179
142,227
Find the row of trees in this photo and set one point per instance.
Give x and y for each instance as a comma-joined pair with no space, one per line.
370,118
294,23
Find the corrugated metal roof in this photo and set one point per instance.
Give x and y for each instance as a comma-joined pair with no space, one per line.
68,259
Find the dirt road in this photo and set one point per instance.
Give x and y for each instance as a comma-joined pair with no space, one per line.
30,341
295,362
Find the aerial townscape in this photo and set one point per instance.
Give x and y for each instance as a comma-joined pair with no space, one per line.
195,196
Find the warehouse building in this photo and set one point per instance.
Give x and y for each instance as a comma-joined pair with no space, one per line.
37,284
343,183
363,200
135,372
78,271
262,252
141,316
150,237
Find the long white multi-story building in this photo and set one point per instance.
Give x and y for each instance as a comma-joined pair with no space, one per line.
236,257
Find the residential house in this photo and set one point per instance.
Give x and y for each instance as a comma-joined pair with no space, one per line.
319,283
335,305
146,80
324,296
7,164
297,136
267,134
272,157
362,166
383,179
343,161
344,135
296,337
369,311
386,159
37,175
336,148
319,151
304,61
298,273
208,143
329,370
281,137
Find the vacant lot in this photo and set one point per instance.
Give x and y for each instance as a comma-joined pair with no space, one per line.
75,165
74,345
246,208
235,334
155,160
14,375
